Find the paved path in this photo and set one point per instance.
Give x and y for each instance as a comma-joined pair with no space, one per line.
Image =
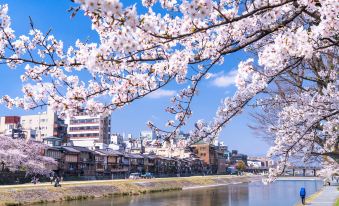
327,197
72,183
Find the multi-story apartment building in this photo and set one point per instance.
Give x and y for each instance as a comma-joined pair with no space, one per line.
8,123
117,142
10,126
175,151
205,152
89,131
117,139
45,124
212,156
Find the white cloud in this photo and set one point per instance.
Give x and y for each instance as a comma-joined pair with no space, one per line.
225,80
161,93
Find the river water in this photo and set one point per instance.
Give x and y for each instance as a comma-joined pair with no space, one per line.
279,193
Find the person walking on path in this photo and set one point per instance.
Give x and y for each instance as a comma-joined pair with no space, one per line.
327,182
57,182
51,178
302,195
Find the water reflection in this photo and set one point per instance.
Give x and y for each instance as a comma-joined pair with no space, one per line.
280,193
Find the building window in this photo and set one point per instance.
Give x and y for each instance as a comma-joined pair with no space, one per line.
84,128
84,121
84,135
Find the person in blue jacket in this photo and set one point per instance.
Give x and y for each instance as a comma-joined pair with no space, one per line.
302,195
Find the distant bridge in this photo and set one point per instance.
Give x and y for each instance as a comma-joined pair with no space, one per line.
302,171
305,171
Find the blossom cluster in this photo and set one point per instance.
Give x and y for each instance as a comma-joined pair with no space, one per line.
19,154
138,53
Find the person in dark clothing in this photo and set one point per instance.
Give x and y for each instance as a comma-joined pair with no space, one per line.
57,182
302,195
35,180
51,178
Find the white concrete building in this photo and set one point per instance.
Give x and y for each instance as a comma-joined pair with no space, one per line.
8,123
168,152
46,124
117,142
254,164
89,131
148,135
117,139
262,161
10,126
115,147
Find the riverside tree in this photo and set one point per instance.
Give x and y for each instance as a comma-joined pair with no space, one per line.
22,155
240,166
139,53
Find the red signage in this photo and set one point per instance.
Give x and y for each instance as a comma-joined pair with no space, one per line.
12,119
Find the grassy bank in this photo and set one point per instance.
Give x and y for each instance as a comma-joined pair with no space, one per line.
30,194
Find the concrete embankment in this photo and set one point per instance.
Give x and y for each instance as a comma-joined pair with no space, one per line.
45,192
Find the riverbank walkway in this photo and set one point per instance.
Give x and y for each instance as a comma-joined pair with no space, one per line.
326,197
114,181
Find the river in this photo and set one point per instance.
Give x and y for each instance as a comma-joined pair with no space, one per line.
279,193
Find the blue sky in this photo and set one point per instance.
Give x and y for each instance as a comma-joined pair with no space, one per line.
53,15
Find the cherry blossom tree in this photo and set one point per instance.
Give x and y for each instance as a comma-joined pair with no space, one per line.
300,114
28,156
139,53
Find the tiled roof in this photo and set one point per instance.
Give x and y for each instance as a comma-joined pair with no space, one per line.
136,156
82,149
110,152
70,149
